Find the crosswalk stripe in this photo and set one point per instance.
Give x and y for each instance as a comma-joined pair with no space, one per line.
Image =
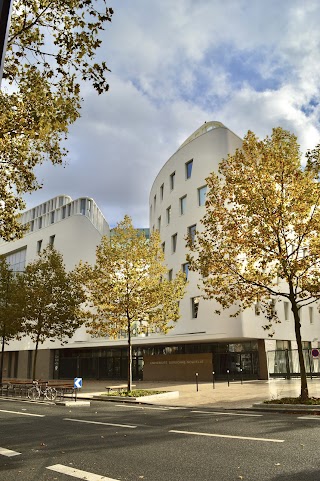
8,452
97,422
247,438
22,414
78,473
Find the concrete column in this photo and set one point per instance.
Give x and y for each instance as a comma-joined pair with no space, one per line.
263,364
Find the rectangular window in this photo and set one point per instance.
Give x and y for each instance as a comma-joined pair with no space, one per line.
51,240
168,214
64,212
170,275
172,179
183,204
257,309
202,195
163,245
32,225
52,217
40,223
39,244
154,202
174,239
310,308
286,310
192,232
185,269
159,223
282,345
161,191
69,210
273,303
189,169
195,306
83,206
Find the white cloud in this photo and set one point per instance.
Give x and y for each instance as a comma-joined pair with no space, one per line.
250,65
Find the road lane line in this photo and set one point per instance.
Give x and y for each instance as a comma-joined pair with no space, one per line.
228,436
78,473
8,452
22,414
97,422
227,414
140,407
25,401
313,418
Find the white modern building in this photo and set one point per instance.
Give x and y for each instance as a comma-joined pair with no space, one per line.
177,201
201,341
74,228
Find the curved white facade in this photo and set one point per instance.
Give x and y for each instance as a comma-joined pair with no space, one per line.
174,204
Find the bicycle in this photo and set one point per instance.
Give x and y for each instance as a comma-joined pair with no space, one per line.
36,391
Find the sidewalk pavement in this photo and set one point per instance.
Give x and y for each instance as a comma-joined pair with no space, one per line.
236,396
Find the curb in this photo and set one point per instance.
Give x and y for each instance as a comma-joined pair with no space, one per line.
289,408
75,404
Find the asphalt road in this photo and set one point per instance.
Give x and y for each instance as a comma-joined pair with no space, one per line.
123,442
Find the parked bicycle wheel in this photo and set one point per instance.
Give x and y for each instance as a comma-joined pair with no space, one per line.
50,393
34,393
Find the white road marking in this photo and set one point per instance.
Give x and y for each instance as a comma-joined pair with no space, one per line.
8,452
226,414
141,407
104,424
313,418
22,414
78,473
25,401
227,436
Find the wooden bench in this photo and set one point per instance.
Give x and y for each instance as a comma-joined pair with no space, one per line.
62,387
118,388
15,386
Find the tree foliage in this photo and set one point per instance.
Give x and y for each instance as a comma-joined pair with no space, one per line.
52,300
51,49
11,306
261,230
129,286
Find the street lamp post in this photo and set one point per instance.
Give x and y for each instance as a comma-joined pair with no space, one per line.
5,12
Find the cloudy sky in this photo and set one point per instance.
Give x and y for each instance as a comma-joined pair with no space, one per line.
250,64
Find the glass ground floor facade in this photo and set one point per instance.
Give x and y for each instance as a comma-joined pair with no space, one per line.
240,359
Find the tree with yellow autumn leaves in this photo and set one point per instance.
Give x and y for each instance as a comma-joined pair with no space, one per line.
129,285
51,51
261,231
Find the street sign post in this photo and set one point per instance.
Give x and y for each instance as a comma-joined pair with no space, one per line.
77,384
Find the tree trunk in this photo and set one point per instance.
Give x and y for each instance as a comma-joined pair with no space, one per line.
35,360
129,358
297,326
2,356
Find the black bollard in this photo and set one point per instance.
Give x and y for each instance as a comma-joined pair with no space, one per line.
241,374
197,384
213,381
228,377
